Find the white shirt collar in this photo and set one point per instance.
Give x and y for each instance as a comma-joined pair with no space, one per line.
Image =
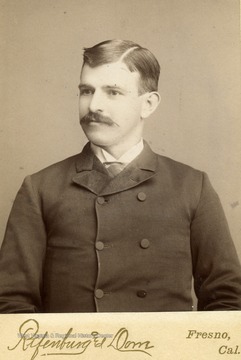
126,158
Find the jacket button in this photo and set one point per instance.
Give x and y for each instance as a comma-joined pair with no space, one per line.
99,293
141,293
100,200
145,243
99,245
141,196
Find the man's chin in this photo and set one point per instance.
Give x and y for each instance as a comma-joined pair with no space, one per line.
97,140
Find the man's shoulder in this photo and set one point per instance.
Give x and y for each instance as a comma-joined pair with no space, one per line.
177,168
172,174
167,165
59,166
56,175
64,167
185,181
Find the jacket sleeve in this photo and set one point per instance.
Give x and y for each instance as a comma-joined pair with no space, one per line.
22,254
216,268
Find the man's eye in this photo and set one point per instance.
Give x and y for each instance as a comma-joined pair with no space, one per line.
113,92
86,92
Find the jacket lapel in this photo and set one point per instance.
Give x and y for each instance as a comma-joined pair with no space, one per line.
92,175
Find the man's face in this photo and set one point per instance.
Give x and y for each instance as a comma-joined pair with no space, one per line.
110,106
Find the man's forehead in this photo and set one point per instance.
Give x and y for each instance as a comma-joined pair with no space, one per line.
116,71
117,65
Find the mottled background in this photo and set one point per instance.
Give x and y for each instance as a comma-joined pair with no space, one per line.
198,121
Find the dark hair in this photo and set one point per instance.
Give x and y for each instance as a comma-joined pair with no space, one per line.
133,55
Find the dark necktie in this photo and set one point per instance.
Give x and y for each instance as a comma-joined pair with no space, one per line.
114,167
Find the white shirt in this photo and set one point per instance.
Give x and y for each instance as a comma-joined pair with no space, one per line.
126,158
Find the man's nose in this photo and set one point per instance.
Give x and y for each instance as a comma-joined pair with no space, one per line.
96,102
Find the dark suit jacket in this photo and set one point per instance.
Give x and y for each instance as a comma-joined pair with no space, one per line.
78,241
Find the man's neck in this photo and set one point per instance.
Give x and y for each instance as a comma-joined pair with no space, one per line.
104,155
121,148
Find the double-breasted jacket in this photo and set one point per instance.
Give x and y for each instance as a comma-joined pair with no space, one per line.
80,241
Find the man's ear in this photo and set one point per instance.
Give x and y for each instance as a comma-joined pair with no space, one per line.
150,102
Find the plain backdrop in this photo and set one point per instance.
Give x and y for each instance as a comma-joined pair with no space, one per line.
197,123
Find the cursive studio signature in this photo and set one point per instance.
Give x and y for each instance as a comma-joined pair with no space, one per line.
35,344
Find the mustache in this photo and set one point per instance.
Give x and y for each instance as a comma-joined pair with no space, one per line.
96,117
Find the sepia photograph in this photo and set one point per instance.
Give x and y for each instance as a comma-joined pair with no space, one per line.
120,157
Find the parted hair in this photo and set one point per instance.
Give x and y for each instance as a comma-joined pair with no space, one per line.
135,57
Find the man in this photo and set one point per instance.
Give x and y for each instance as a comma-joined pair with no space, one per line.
117,227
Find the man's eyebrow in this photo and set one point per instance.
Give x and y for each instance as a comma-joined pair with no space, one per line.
85,86
106,87
114,86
